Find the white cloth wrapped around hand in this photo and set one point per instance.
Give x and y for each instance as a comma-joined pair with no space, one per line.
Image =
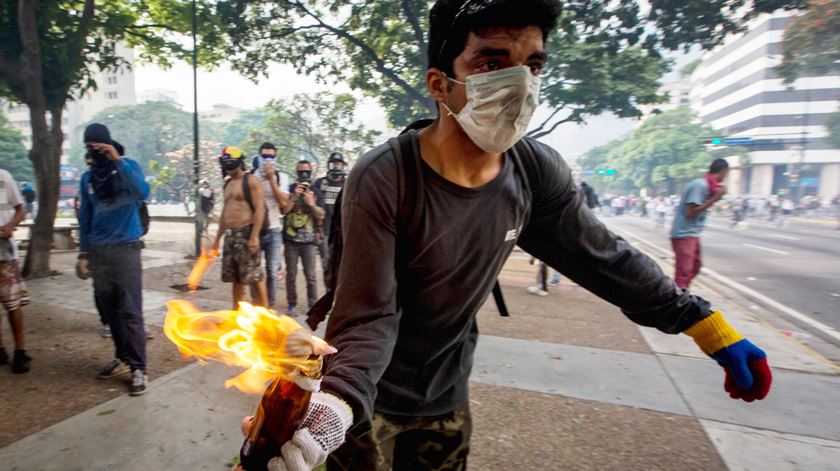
322,432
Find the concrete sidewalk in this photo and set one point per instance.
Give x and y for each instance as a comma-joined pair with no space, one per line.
565,383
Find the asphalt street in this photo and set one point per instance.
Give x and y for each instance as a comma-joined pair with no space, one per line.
798,266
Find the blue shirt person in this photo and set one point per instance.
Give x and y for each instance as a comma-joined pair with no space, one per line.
110,229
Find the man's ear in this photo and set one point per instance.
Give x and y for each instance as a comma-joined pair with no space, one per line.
437,84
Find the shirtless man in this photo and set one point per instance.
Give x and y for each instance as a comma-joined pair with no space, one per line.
240,223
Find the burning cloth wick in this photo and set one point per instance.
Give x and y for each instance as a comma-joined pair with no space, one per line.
268,345
205,260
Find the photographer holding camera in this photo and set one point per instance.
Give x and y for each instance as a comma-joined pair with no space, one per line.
303,216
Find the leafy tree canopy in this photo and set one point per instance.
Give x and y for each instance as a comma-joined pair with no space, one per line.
148,131
311,127
605,54
665,150
12,152
812,43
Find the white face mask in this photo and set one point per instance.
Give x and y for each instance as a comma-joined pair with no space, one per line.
499,107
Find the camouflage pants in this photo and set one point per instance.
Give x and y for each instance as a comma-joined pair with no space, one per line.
398,443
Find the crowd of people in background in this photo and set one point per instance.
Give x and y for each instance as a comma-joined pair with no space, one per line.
778,208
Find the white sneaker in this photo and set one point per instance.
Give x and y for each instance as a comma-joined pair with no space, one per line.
537,291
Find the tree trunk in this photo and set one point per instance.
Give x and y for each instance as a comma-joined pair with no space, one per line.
46,161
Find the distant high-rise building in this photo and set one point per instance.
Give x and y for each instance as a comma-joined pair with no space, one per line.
737,91
113,88
220,113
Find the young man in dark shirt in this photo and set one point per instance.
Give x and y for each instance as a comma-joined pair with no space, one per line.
405,327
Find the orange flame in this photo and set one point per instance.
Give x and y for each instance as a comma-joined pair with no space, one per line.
200,268
253,337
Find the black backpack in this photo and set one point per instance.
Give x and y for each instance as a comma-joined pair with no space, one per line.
410,209
145,220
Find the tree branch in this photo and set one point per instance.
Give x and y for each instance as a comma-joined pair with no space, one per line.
31,70
537,135
150,26
370,52
545,122
412,17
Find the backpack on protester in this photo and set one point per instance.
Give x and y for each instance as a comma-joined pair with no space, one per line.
409,211
145,219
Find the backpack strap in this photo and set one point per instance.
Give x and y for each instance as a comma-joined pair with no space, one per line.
410,194
246,191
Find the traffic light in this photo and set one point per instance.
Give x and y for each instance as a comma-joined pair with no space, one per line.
714,142
609,171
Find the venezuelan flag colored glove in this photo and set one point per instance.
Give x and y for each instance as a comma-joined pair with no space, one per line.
748,375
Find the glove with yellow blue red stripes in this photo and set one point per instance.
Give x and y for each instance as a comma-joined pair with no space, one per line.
748,375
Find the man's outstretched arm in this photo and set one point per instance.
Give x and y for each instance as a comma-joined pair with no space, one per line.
566,235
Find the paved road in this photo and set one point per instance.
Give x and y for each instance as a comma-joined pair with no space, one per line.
798,266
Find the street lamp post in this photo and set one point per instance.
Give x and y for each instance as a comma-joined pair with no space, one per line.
196,169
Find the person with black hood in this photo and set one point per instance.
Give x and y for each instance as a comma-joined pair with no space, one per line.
329,187
109,250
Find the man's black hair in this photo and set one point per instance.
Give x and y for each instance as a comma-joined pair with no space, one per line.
303,162
267,145
718,166
499,14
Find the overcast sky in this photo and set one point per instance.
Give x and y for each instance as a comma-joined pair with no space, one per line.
227,87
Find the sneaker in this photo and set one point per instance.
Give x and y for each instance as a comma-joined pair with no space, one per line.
115,368
537,291
20,362
554,281
4,357
290,311
138,383
106,331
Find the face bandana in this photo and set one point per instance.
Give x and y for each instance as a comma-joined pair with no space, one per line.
499,107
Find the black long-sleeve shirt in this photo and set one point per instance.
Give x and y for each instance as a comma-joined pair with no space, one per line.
406,332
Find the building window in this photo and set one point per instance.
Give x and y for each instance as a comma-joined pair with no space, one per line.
112,80
112,95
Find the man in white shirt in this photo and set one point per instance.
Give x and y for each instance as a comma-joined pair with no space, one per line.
13,292
272,240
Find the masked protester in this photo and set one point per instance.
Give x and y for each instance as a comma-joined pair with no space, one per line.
110,229
404,313
271,240
329,187
243,216
303,218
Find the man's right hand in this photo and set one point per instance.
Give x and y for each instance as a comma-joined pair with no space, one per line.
83,269
719,192
322,432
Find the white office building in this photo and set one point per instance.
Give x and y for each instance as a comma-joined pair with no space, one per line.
220,113
113,88
738,93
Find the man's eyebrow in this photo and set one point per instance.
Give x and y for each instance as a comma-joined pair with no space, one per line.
491,52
